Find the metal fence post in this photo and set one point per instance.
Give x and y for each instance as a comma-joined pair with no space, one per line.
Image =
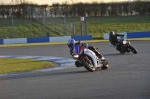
44,23
85,26
81,28
65,24
12,27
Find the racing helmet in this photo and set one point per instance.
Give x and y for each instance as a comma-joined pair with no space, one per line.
71,42
111,33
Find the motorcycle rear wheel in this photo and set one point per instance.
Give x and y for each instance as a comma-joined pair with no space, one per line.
105,64
122,52
121,49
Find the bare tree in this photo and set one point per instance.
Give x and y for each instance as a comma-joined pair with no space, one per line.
103,8
55,8
95,8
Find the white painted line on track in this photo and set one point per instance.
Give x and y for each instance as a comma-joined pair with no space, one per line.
64,63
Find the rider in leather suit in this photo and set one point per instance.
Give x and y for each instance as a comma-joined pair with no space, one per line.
71,43
113,39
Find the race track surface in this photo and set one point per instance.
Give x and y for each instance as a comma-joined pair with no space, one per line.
128,76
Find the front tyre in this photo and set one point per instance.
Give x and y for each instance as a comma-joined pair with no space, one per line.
88,65
78,64
133,49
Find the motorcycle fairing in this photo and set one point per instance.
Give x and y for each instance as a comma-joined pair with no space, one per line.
92,55
76,48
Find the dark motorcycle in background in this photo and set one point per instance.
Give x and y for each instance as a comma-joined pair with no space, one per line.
124,46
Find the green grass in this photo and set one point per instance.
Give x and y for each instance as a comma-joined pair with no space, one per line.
11,65
99,25
96,26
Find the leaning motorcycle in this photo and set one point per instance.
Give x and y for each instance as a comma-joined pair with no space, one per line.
88,59
124,46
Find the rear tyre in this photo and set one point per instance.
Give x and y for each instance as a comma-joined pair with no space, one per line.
122,52
105,64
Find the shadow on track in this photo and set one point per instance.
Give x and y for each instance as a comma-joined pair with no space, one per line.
41,74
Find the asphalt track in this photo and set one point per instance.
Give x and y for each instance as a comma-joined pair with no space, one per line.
128,76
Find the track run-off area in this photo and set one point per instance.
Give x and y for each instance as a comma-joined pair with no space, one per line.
128,76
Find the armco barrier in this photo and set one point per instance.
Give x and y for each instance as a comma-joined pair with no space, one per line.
37,40
43,39
138,34
15,40
132,34
60,39
87,37
1,41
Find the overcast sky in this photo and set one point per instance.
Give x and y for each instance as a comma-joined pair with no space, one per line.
59,1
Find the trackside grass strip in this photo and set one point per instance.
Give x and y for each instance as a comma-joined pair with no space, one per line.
10,65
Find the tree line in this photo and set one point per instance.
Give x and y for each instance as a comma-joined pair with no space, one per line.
29,10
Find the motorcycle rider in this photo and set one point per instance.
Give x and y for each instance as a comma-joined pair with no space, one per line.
72,42
113,39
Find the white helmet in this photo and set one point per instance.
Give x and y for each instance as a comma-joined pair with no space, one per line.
71,42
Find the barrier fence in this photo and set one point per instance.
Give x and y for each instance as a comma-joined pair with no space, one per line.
131,34
44,39
66,38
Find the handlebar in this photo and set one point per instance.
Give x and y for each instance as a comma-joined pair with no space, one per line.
121,36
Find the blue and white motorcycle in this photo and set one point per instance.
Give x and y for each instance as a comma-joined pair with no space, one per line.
87,58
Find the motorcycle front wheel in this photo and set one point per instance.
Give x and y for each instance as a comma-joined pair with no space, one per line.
87,65
133,49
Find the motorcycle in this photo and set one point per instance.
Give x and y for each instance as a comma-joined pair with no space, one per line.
88,59
124,46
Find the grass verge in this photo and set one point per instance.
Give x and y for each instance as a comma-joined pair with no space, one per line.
11,65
